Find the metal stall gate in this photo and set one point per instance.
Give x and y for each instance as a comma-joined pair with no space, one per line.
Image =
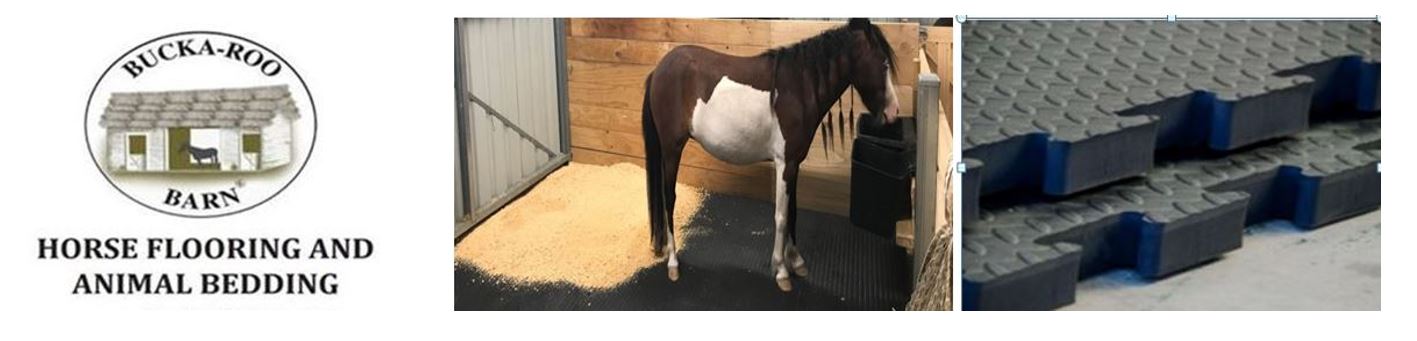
512,120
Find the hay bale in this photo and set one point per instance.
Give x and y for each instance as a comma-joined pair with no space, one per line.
932,289
933,286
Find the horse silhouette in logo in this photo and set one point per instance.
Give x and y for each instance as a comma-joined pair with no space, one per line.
201,154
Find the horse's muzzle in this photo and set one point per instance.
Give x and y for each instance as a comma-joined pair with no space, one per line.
890,113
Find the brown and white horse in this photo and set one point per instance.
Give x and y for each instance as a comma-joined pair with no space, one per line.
759,108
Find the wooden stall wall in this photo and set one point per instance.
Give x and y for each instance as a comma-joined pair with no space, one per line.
608,60
939,56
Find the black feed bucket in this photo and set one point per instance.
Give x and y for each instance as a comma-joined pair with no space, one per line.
882,164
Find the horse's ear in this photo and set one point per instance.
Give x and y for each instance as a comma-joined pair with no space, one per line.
859,23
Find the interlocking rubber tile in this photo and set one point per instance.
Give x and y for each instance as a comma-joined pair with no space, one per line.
1030,256
1061,107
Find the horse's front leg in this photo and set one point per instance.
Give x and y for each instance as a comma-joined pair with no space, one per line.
780,218
789,245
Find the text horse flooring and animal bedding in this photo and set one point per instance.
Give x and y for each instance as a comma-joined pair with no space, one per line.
1057,113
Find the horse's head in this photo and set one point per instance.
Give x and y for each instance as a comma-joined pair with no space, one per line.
873,69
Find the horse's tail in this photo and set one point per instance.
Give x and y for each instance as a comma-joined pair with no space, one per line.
654,170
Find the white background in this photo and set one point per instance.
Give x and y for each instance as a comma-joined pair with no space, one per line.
385,69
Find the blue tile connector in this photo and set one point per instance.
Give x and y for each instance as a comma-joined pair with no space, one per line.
1061,107
1178,215
969,196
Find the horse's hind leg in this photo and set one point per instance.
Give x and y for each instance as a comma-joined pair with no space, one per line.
654,177
654,189
672,155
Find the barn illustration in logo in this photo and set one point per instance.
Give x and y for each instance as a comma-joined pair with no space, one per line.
241,130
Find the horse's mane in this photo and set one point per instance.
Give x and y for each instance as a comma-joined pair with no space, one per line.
831,43
809,53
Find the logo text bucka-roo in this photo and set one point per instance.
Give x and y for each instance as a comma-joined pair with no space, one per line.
172,50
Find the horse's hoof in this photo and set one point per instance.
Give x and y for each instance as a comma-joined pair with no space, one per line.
784,284
800,270
673,274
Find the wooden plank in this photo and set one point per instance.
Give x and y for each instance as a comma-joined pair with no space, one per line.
698,31
630,76
638,51
589,116
624,28
945,179
938,51
718,31
946,73
938,34
787,32
609,96
907,100
615,50
905,41
608,141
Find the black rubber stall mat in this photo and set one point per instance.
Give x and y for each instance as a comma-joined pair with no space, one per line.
725,266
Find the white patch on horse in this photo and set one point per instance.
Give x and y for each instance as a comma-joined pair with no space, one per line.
737,124
892,100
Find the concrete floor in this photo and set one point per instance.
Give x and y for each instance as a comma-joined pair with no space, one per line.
1280,267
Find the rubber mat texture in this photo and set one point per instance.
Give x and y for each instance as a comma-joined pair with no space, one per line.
725,266
1065,122
1064,106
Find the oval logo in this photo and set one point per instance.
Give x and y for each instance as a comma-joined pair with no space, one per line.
200,124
